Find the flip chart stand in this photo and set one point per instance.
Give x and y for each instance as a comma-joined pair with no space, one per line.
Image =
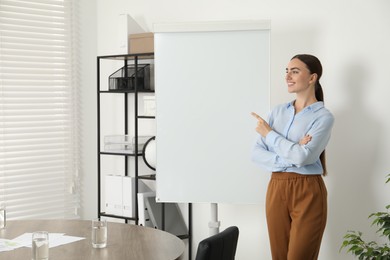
214,224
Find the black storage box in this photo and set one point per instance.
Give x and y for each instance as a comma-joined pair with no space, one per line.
124,78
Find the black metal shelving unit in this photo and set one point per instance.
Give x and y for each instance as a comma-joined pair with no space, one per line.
134,59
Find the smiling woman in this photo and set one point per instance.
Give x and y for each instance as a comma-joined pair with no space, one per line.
38,137
291,145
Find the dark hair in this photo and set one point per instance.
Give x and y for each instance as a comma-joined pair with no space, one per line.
314,66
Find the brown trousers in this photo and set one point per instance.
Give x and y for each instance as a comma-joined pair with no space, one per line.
296,208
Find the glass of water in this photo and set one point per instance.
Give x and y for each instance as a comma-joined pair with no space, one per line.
40,245
2,217
99,233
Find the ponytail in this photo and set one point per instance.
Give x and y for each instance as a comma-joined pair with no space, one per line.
320,97
314,66
318,91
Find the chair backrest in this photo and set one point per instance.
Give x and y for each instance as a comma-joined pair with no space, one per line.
221,246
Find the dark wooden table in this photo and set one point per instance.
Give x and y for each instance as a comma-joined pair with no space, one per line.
125,241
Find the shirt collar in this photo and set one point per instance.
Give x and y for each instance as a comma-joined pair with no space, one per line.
313,107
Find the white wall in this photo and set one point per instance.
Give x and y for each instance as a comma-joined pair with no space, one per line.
88,134
350,37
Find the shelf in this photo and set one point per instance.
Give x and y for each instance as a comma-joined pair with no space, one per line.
129,59
183,236
126,91
124,154
147,177
147,117
116,216
124,57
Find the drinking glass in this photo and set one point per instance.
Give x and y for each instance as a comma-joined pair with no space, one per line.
40,245
99,233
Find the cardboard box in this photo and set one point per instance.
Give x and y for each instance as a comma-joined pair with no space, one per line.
141,43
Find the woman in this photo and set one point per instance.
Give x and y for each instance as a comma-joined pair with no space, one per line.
292,146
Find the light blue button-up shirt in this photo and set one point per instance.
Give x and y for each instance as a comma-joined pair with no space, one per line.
280,149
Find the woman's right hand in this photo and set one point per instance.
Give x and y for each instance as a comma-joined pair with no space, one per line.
262,127
305,140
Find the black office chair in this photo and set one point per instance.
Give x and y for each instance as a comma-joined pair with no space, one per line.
221,246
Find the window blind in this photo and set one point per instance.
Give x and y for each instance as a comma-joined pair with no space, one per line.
38,109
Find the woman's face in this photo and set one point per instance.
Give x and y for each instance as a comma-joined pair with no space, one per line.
298,77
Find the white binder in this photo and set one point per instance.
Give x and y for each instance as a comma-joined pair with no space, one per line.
114,203
143,213
128,198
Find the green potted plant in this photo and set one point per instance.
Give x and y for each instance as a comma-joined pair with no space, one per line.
370,250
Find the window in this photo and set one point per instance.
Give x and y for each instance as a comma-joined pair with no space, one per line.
38,105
